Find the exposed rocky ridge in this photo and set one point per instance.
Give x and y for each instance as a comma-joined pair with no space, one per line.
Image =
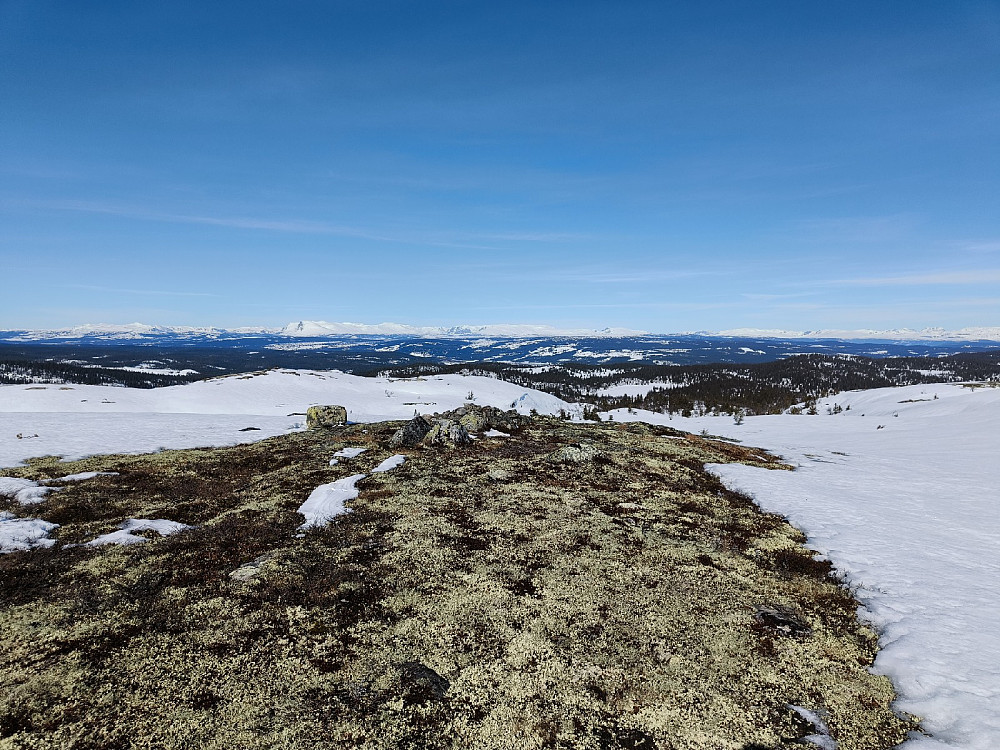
453,428
572,586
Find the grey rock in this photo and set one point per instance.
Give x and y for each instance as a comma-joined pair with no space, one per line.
447,433
326,416
574,454
499,475
410,434
475,422
421,684
476,418
784,620
249,571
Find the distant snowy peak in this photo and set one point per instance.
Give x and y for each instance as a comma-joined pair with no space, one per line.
320,328
981,333
132,331
524,331
98,330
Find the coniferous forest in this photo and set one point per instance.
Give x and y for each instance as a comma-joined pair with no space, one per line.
761,388
21,372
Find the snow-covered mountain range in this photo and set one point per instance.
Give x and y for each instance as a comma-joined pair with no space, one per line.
978,333
320,328
324,329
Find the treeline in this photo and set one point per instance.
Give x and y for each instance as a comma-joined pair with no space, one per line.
14,372
761,388
226,358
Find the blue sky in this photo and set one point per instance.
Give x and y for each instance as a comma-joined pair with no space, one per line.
659,165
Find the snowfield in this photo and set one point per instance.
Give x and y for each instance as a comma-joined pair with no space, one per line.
900,493
81,420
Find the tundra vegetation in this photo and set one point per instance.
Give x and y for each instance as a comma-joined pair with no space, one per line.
570,586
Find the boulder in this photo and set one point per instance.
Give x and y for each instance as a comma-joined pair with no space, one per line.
410,434
473,422
420,684
448,433
499,475
573,454
249,571
784,620
326,416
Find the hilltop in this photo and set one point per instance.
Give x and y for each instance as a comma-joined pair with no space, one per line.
568,585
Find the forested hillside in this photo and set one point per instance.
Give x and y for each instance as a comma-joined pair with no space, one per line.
20,372
762,388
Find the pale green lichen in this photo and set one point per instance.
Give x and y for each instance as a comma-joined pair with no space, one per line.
603,603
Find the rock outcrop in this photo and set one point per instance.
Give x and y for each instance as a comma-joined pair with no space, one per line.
410,434
454,428
447,433
476,418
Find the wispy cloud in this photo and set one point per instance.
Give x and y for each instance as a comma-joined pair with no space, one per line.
984,276
615,305
143,292
989,246
971,302
856,228
525,236
456,239
628,277
294,226
754,297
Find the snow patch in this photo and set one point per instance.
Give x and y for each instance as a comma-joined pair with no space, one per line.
346,453
84,421
821,738
82,476
126,535
349,452
328,501
390,463
24,491
19,534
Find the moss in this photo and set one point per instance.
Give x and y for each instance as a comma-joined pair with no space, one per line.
480,597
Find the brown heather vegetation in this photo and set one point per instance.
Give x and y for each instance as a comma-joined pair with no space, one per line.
572,586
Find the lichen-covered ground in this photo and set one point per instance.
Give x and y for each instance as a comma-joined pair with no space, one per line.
513,593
